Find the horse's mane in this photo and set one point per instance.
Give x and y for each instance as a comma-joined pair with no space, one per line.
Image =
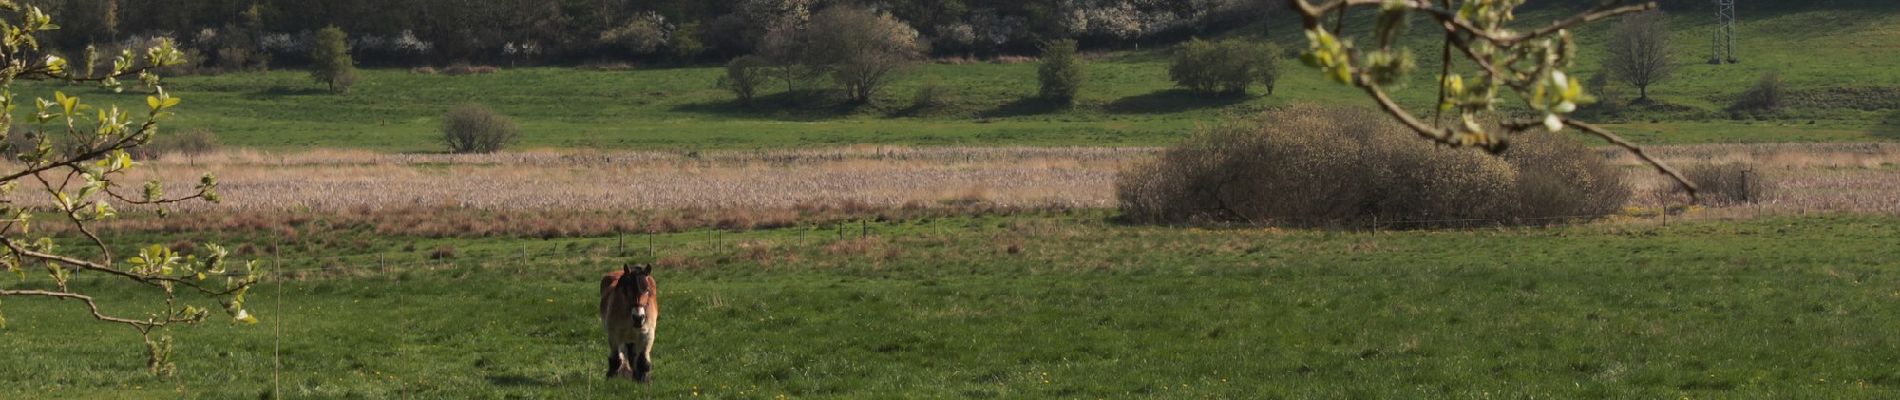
637,278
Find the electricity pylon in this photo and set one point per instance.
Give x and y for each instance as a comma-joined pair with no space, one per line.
1724,49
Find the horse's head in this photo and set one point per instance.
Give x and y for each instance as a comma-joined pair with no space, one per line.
636,285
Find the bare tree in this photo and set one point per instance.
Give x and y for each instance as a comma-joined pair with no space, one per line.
474,128
787,46
863,48
1639,52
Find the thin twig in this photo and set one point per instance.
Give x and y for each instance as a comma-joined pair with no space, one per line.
1638,151
142,326
152,280
1391,107
1451,18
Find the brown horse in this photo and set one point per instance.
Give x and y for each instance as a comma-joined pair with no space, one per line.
630,312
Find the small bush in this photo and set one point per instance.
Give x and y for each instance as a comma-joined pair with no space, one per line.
744,76
932,97
443,252
1727,183
477,129
424,70
1061,73
1225,67
1313,166
1767,95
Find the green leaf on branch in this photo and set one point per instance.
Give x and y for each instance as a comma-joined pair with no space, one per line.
154,190
55,65
244,316
209,186
69,104
92,187
154,260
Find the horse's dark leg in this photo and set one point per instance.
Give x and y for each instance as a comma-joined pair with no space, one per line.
642,367
613,364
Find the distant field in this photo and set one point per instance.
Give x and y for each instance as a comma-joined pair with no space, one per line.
1838,62
568,193
1062,305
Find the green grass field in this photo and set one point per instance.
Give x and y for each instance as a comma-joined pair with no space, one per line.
1128,101
1053,305
1064,306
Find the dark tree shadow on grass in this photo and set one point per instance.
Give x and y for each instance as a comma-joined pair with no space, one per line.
1023,107
1889,127
1173,101
284,91
815,105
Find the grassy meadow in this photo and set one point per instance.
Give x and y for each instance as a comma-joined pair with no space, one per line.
1840,91
1060,305
971,251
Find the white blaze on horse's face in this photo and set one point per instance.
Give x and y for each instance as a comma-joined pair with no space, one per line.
639,313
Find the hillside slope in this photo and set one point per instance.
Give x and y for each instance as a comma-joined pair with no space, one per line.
1838,58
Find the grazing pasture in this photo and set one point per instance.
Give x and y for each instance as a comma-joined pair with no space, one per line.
1056,305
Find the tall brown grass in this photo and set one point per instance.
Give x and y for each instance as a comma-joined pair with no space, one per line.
589,193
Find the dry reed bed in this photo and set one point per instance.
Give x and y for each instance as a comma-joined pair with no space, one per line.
545,180
1844,177
1809,177
728,158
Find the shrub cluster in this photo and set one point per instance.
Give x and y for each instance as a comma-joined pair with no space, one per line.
745,76
1225,67
476,129
1061,72
1727,183
932,97
1766,96
1314,166
861,49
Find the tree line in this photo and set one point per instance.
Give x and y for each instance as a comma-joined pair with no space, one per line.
413,32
